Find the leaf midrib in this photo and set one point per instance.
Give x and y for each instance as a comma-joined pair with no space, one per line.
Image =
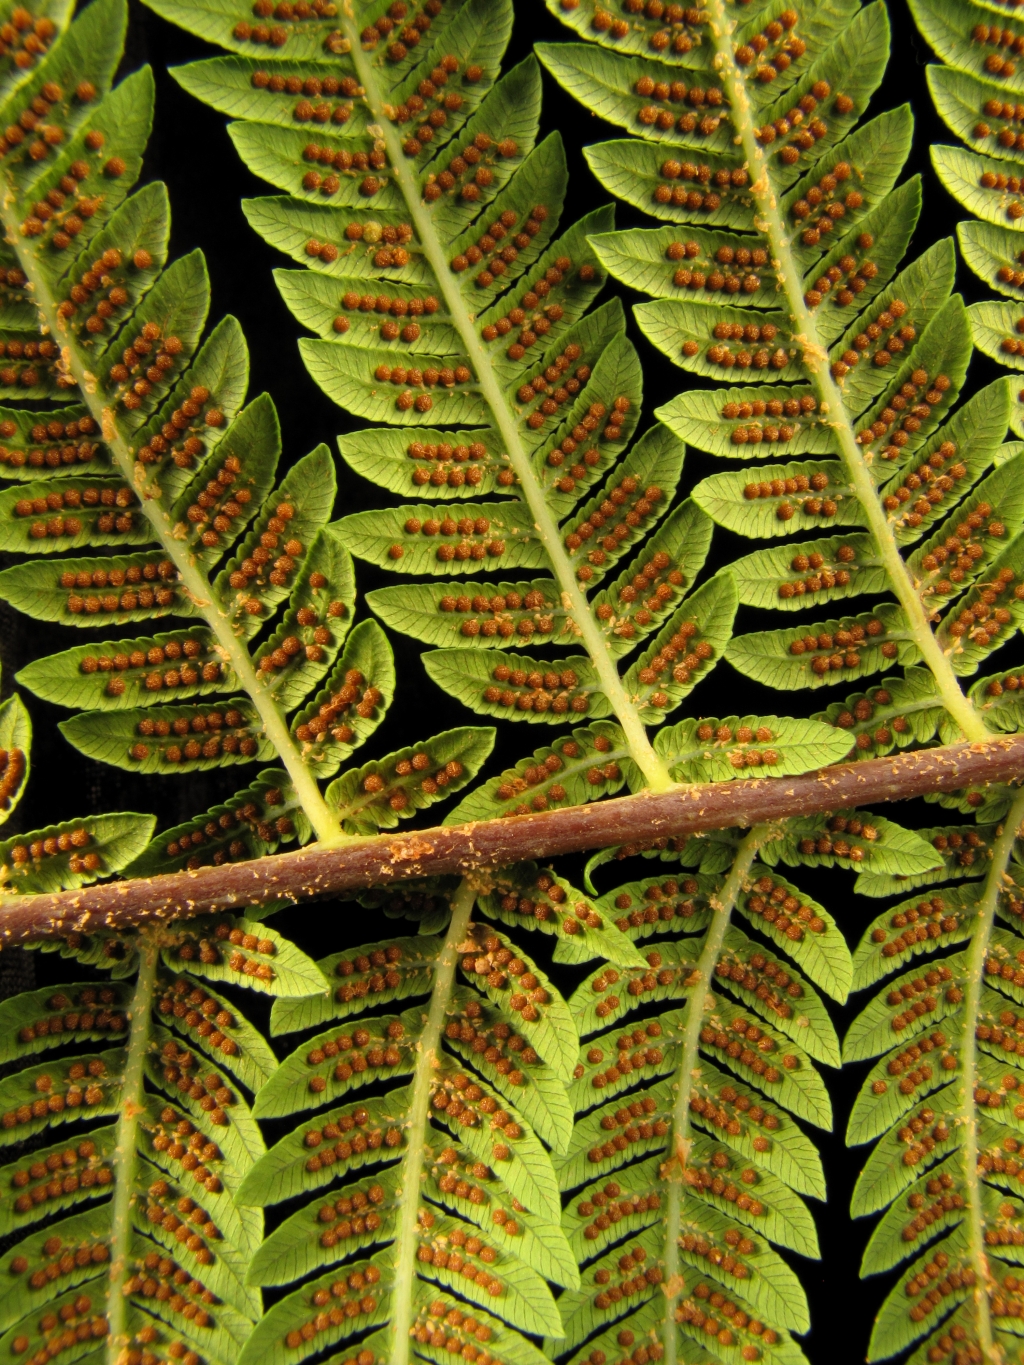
505,422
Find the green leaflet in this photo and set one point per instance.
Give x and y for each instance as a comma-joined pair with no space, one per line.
414,540
129,673
80,852
252,822
715,751
15,741
183,739
224,948
515,687
375,796
358,704
582,931
701,627
471,615
825,652
593,762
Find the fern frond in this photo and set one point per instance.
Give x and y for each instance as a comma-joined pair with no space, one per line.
148,1249
463,1198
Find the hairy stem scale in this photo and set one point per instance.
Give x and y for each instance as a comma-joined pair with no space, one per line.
193,580
641,750
829,395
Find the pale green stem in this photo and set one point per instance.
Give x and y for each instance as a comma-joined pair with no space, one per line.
506,423
700,1000
770,222
428,1061
1001,852
193,579
125,1148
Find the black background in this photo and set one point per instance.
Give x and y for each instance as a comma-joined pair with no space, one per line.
191,151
